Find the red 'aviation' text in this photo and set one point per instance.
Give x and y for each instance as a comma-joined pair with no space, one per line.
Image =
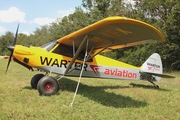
120,73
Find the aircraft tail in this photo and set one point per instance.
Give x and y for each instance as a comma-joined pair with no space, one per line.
153,66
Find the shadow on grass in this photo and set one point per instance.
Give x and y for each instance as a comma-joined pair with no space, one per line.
98,94
28,88
147,87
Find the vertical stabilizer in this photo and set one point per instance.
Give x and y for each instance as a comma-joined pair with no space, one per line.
153,64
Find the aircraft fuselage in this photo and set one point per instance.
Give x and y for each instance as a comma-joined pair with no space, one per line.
99,67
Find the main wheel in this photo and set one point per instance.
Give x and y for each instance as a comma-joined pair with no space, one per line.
35,79
47,86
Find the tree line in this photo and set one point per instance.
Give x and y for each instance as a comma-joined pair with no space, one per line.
162,14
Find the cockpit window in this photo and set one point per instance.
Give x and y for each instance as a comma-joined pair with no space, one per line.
68,51
49,46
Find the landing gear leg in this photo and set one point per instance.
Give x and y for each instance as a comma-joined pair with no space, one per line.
156,86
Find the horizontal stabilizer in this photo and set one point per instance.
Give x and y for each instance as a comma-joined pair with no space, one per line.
158,75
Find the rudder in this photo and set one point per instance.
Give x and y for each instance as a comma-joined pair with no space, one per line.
153,65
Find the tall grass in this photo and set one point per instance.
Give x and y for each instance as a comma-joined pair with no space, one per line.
97,99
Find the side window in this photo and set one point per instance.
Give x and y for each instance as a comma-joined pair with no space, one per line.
68,51
49,46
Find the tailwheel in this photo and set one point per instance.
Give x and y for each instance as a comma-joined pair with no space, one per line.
47,86
35,79
156,86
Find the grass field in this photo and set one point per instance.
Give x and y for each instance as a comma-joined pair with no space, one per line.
97,99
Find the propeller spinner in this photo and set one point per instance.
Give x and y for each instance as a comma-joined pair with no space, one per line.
11,48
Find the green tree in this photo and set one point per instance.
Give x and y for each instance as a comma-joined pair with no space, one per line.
6,40
68,24
40,36
101,6
164,14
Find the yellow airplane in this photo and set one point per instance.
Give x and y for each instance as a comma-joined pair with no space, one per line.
77,54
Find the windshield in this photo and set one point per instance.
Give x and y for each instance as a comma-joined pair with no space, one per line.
49,46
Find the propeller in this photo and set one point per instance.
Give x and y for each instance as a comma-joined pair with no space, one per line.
11,48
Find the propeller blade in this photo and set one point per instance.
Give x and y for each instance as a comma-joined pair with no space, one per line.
11,48
15,38
9,61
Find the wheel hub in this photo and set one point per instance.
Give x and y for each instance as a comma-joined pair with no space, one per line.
48,86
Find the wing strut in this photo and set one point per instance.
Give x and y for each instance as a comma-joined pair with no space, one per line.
103,49
73,49
85,56
90,57
76,54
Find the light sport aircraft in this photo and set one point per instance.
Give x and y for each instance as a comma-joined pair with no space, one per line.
77,54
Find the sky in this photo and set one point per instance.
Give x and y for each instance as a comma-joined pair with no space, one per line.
32,14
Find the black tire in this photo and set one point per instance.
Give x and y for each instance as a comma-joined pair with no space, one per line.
47,86
35,79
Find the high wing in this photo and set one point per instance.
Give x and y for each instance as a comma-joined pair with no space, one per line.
113,33
108,34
